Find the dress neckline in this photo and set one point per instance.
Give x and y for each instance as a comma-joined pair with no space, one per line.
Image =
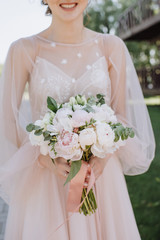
97,35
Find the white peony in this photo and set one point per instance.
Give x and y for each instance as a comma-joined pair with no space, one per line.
87,137
80,117
44,150
39,123
100,116
107,108
36,140
62,119
62,113
52,129
67,105
120,143
105,136
77,107
111,117
65,123
98,150
104,113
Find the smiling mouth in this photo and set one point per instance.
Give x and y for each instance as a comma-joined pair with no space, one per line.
68,6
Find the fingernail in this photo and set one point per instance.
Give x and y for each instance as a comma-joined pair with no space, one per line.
85,184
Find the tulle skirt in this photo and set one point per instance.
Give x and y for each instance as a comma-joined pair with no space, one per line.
37,203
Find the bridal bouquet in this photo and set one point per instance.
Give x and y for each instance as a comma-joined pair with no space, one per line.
76,130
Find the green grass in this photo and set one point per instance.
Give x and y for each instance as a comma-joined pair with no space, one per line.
144,189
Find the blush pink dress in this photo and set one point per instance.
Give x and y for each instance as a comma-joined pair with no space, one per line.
34,69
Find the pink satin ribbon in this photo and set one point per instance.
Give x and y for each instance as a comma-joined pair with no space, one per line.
77,185
75,191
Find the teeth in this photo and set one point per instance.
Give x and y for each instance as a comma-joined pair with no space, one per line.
68,6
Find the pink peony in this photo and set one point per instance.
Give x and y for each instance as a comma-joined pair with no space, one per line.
68,146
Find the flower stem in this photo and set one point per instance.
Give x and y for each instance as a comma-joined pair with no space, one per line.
88,201
85,203
93,198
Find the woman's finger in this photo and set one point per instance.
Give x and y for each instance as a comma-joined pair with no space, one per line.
92,162
95,171
67,167
63,174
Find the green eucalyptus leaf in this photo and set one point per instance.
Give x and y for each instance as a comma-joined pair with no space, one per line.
88,108
125,136
91,101
61,106
116,138
36,127
92,121
75,167
53,161
52,104
119,130
127,132
38,132
122,137
30,127
47,136
99,96
101,99
132,134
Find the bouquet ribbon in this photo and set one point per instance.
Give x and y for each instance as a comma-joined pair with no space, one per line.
75,191
77,185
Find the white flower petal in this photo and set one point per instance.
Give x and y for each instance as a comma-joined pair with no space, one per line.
87,137
44,148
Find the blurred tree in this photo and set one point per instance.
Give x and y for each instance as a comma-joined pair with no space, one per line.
102,16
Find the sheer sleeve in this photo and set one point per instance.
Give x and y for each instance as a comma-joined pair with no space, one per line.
14,114
128,103
14,78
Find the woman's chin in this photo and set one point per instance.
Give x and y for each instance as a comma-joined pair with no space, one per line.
68,18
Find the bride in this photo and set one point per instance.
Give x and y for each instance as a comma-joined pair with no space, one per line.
64,60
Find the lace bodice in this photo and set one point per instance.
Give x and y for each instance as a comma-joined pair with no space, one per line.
72,69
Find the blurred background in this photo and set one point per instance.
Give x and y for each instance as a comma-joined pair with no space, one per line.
137,22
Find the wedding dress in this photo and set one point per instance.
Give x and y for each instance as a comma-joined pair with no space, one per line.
36,195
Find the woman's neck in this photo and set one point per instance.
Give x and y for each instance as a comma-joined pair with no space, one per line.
66,32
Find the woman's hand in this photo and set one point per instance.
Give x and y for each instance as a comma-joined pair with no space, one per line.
62,167
98,164
44,161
